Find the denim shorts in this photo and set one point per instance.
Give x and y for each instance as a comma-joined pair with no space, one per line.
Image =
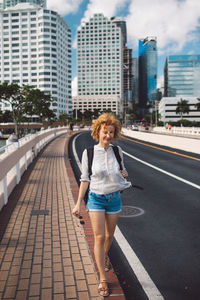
110,203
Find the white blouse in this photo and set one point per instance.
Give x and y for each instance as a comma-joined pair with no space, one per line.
106,176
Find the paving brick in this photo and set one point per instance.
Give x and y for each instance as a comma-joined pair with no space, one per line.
70,292
23,284
47,282
21,295
10,292
58,276
81,285
25,273
93,289
46,294
59,297
35,278
83,296
91,279
2,285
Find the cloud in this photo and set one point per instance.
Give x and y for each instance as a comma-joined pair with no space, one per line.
109,8
160,81
173,22
64,7
74,86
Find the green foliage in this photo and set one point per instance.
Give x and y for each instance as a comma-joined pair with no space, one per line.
182,107
197,105
64,118
160,123
24,101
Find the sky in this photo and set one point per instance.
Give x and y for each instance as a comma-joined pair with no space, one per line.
175,23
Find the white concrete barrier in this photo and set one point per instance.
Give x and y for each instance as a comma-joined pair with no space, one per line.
19,155
182,143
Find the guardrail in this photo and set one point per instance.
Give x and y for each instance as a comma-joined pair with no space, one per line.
178,130
18,155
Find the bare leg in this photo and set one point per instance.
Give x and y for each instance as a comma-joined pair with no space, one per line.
110,225
98,225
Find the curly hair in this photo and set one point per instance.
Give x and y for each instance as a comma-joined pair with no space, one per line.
106,119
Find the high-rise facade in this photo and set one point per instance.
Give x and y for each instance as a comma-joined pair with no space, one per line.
147,70
100,57
135,80
9,3
182,75
35,45
128,76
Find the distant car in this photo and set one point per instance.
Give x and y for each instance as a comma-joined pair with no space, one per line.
135,127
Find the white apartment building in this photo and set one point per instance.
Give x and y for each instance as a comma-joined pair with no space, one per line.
35,49
8,3
100,102
100,61
168,105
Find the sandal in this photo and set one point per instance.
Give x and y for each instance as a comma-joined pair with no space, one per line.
108,265
103,289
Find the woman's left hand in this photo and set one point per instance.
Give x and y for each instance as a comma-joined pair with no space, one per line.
124,173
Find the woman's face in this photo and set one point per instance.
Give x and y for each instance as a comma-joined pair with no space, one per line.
106,134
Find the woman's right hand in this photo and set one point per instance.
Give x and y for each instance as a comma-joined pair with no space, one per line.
76,210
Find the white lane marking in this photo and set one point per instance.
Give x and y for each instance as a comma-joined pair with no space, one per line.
147,284
163,171
75,153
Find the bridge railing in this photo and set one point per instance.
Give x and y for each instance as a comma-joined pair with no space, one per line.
18,155
178,130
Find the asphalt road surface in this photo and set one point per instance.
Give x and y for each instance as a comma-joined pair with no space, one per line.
165,237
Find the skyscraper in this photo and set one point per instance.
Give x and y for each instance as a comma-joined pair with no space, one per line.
182,75
147,70
100,57
135,80
36,50
8,3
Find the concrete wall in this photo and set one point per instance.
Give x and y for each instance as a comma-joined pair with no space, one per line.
182,143
14,163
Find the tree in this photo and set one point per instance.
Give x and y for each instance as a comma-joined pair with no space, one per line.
182,107
24,101
63,118
197,105
88,114
77,114
12,94
37,103
6,116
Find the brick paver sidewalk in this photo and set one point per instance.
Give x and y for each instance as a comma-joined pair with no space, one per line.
44,253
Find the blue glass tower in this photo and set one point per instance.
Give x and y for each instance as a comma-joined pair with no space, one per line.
147,70
182,75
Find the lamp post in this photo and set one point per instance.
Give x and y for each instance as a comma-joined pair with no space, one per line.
156,112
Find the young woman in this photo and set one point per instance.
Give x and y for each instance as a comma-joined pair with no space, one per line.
106,182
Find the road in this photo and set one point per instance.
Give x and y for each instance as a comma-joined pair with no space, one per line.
166,237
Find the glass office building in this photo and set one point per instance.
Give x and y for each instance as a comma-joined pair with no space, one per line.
182,75
147,70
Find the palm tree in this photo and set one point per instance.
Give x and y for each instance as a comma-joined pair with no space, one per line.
182,107
197,105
